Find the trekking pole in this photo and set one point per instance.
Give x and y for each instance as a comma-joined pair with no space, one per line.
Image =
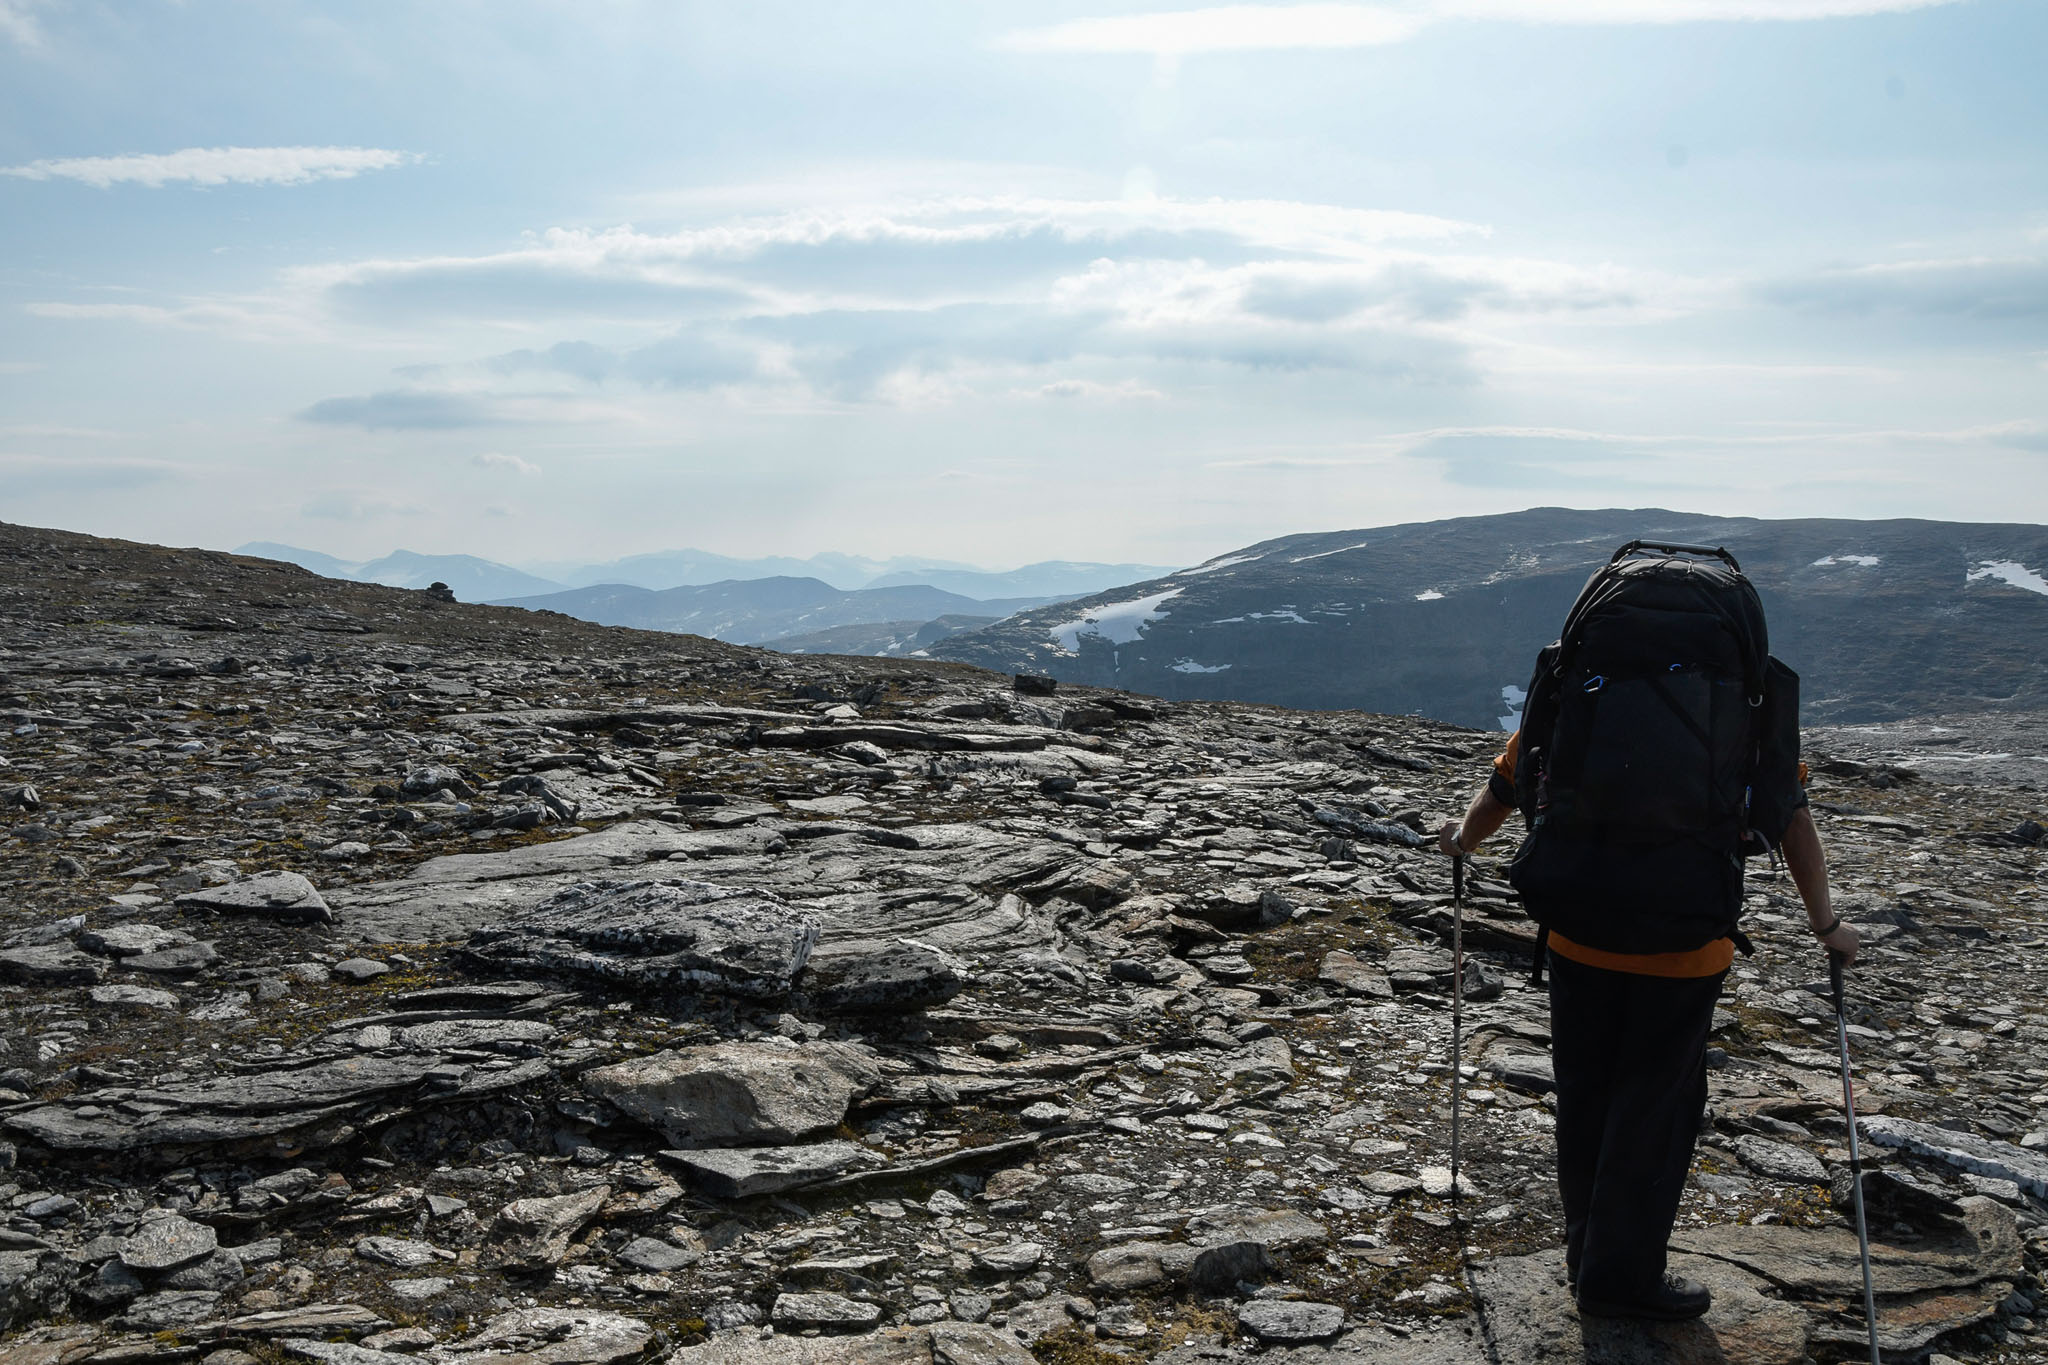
1457,1014
1855,1154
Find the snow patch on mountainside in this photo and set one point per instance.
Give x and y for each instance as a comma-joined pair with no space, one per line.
1325,554
1860,561
2009,571
1119,623
1213,565
1190,666
1429,595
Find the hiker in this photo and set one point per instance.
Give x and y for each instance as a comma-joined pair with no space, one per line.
1659,746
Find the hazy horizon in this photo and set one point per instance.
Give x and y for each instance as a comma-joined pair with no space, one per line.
1083,281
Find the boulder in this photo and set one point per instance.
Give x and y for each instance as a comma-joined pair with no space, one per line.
557,1336
1284,1322
872,976
52,964
535,1232
283,896
733,1094
656,935
166,1242
737,1172
1531,1319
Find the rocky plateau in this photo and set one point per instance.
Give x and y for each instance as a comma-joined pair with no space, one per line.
395,979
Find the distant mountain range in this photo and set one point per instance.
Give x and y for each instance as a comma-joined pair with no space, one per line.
767,610
473,579
1883,619
482,580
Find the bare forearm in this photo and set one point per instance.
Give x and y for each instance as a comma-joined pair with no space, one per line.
1482,819
1808,865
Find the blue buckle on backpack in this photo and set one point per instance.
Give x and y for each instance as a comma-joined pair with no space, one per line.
1595,683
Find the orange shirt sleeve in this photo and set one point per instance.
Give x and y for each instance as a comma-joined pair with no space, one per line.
1505,764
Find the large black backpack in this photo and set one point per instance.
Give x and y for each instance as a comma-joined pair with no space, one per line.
1660,746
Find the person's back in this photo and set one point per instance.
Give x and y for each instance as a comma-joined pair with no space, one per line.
1659,747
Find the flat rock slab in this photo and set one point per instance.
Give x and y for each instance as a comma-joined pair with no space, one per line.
942,1343
1964,1151
656,935
736,1172
1528,1316
826,1311
556,1336
283,896
536,1231
1826,1261
1284,1322
731,1094
55,964
167,1242
1780,1161
868,976
308,1102
130,940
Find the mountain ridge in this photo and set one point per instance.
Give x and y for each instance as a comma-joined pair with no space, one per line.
1883,619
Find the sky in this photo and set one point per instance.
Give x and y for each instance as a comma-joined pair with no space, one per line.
1005,282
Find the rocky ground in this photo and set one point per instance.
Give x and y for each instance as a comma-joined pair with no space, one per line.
387,977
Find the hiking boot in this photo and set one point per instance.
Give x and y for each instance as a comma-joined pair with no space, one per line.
1676,1299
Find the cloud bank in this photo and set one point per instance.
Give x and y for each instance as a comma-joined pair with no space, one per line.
1256,28
217,166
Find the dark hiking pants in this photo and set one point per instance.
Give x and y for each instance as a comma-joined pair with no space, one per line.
1629,1053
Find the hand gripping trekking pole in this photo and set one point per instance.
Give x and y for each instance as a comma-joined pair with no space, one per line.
1855,1154
1457,1014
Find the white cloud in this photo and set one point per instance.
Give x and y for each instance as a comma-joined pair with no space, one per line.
217,166
252,319
1228,28
1123,390
1253,28
29,474
510,464
347,504
18,24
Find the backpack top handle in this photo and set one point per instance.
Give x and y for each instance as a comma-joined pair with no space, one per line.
1635,545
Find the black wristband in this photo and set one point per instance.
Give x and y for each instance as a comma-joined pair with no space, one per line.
1828,928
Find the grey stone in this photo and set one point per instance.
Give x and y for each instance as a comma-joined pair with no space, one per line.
739,1092
169,1308
179,960
824,1310
1015,1258
219,1272
51,965
2027,1168
535,1232
737,1172
656,1256
164,1242
870,976
666,935
1285,1322
283,896
1779,1161
1531,1319
360,969
401,1252
130,940
126,997
558,1336
1219,1269
337,1352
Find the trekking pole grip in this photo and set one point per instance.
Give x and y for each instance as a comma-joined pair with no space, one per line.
1835,964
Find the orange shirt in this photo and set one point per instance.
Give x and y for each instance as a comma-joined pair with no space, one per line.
1707,960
